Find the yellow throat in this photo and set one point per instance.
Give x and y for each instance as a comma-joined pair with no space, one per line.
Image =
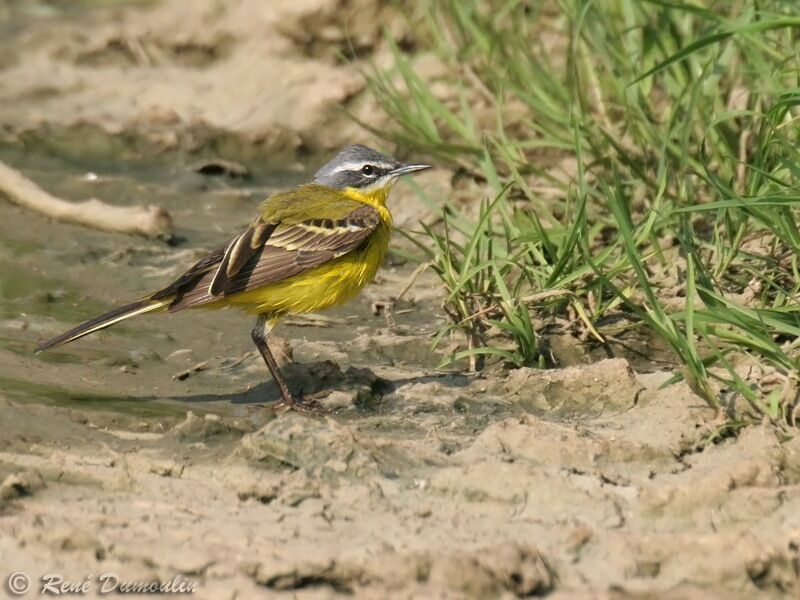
375,198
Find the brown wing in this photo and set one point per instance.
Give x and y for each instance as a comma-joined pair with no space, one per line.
196,272
266,252
239,252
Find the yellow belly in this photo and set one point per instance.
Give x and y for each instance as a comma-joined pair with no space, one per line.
333,283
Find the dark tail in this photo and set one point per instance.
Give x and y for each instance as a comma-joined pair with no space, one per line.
106,320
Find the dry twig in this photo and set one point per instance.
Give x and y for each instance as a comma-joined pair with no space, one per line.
150,221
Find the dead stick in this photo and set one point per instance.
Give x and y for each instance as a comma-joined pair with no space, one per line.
150,221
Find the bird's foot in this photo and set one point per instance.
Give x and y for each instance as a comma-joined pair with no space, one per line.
307,404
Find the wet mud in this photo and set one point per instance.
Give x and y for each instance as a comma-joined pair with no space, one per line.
150,449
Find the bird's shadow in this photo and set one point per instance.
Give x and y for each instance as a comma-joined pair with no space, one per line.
312,378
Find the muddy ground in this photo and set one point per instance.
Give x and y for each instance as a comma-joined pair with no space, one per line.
149,450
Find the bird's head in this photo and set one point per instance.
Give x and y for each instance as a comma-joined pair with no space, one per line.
364,170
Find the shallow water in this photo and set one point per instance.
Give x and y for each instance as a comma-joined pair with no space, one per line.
55,275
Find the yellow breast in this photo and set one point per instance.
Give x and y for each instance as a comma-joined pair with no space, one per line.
330,284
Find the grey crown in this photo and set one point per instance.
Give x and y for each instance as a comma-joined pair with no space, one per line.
346,168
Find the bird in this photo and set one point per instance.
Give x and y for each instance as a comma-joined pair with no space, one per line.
310,248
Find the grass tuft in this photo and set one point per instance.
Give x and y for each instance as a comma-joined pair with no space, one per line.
640,168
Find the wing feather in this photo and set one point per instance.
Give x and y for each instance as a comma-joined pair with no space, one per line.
269,252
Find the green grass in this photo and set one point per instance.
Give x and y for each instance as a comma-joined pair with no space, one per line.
638,167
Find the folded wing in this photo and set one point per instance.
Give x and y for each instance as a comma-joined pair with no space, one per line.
271,250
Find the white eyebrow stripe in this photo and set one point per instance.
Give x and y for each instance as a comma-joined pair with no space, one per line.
356,165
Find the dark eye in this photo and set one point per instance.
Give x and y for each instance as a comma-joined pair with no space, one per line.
368,170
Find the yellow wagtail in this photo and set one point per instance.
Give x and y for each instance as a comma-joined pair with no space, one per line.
310,248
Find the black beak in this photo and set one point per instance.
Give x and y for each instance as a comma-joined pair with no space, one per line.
406,169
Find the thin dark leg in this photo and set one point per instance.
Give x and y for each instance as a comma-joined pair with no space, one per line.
288,401
259,334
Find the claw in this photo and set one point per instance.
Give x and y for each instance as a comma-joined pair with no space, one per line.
307,404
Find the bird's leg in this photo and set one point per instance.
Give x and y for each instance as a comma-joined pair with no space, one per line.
260,333
288,401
